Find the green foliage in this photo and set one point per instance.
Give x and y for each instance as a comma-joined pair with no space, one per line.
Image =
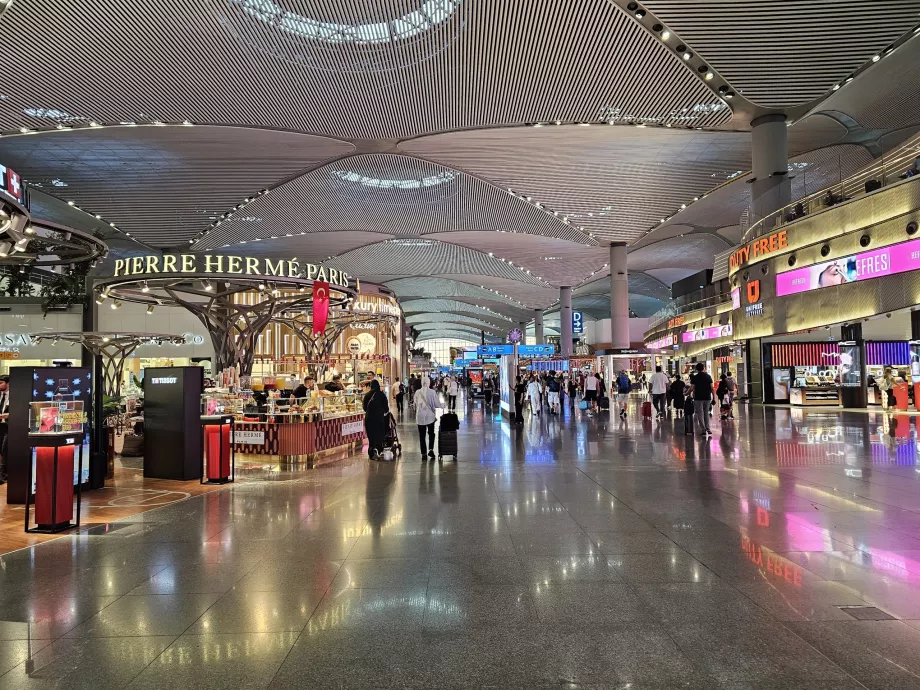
17,284
111,405
68,287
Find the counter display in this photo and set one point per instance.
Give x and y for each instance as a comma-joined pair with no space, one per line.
296,430
815,395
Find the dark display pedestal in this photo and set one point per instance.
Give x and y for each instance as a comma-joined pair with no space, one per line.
172,422
54,461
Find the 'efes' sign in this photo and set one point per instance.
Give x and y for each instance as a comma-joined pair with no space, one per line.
167,264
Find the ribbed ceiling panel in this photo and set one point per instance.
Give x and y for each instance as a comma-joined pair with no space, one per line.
162,184
614,181
432,288
447,306
389,194
430,321
332,67
780,53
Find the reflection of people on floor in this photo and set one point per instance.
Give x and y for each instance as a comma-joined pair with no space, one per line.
448,488
377,494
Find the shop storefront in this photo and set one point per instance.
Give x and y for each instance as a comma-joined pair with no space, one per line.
18,349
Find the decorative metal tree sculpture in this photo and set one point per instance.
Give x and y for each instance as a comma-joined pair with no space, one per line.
234,309
317,346
112,348
109,350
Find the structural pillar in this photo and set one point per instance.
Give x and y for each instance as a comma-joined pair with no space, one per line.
771,188
619,296
538,326
565,322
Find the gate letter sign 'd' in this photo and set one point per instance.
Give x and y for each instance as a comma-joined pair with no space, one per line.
320,306
753,291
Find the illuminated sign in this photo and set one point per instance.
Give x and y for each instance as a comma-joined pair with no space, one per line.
898,258
362,307
16,340
662,343
754,309
578,323
676,321
758,248
736,298
470,354
536,350
494,350
515,335
11,185
163,379
707,333
753,291
167,264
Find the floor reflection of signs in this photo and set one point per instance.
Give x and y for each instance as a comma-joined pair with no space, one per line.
144,497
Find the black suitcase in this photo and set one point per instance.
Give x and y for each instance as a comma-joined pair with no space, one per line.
449,422
447,444
603,403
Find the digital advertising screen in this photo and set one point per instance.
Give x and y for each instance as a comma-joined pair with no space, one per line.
898,258
707,333
849,366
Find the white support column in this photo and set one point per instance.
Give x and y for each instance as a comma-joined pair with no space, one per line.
565,318
538,326
619,296
771,188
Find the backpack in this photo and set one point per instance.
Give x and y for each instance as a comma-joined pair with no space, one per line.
623,384
730,384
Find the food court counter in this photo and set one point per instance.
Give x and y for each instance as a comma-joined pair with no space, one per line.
302,431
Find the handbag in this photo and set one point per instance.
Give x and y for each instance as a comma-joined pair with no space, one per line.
583,405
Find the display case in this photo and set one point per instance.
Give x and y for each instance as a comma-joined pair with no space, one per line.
56,435
217,452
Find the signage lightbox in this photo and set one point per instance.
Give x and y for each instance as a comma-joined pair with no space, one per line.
707,333
536,350
494,350
11,185
897,258
578,323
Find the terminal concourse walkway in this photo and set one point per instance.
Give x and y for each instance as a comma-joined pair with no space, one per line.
570,552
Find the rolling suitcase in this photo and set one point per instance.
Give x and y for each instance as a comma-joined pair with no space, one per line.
647,409
447,444
603,403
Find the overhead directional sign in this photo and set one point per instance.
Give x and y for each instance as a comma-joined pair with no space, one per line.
494,350
536,350
578,323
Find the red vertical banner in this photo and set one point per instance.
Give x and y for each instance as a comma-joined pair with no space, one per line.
320,306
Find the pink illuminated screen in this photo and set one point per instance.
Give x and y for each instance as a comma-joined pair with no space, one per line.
707,333
898,258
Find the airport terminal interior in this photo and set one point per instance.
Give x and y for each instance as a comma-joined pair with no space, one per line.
460,344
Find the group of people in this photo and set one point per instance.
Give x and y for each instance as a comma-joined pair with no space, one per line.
695,400
424,400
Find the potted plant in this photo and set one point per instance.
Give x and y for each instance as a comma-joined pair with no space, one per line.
111,407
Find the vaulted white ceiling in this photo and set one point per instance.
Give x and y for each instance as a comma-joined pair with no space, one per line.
385,135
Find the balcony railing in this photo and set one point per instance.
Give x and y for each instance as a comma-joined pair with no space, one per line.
898,165
672,310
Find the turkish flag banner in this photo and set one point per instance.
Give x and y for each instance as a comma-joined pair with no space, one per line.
320,306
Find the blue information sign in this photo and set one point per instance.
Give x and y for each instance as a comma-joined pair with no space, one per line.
536,350
578,323
494,350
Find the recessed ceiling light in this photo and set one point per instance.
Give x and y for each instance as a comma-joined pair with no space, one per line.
876,58
709,76
665,35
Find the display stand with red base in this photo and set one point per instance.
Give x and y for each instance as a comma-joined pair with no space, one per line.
217,451
54,484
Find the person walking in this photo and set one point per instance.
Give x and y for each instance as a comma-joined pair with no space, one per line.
398,392
590,392
553,387
677,395
487,389
452,390
573,391
426,404
533,392
520,395
722,390
731,387
376,410
659,388
624,388
701,390
885,385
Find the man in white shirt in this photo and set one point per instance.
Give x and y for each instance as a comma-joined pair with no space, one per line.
659,388
426,405
591,391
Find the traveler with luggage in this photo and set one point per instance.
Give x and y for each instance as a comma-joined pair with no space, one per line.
677,395
426,404
688,410
376,411
487,390
590,392
533,392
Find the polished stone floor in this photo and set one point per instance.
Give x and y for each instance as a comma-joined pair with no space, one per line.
575,552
